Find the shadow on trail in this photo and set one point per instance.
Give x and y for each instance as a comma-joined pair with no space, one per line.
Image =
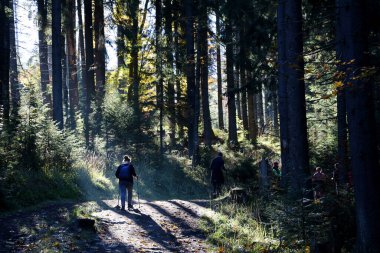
55,227
153,230
186,209
187,229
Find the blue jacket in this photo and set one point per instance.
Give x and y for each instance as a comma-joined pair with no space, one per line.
133,173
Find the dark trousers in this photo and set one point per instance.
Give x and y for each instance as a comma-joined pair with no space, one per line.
123,187
217,187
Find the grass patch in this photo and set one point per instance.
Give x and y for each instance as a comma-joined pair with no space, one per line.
235,228
26,188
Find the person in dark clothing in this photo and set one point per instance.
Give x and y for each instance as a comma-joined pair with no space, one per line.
217,177
276,172
125,173
319,180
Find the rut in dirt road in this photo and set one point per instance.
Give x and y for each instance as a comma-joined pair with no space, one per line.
159,226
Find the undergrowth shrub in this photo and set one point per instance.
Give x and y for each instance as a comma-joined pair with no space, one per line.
36,157
236,228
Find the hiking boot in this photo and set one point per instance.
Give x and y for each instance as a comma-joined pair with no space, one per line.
130,207
122,209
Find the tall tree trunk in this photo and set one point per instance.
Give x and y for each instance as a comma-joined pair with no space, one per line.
197,92
100,64
13,75
237,87
203,52
100,50
190,72
298,145
352,35
264,95
236,51
160,84
170,62
243,78
259,108
120,39
275,107
282,92
232,129
83,70
71,61
178,65
65,79
219,74
342,136
43,50
134,56
120,46
341,105
57,67
251,103
4,61
88,36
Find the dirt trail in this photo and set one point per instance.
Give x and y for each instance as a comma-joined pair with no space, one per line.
158,226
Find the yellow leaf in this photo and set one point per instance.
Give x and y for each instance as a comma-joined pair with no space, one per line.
338,84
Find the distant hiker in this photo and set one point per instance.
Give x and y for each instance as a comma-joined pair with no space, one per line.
319,183
125,173
217,178
276,171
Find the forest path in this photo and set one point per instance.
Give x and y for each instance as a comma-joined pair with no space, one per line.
157,226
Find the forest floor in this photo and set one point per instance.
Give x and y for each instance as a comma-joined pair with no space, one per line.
157,226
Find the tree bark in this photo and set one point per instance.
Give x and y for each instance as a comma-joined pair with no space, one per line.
251,104
43,50
135,62
297,134
341,105
203,46
196,101
4,61
179,58
170,62
232,129
190,72
71,61
259,108
160,84
219,74
13,75
83,70
243,78
57,67
100,64
275,107
352,35
282,92
342,137
65,79
88,37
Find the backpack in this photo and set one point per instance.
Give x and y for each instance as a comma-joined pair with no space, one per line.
125,172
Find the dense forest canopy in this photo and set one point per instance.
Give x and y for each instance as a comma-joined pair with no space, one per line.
174,82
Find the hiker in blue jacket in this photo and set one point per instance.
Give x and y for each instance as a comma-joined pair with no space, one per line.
125,173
